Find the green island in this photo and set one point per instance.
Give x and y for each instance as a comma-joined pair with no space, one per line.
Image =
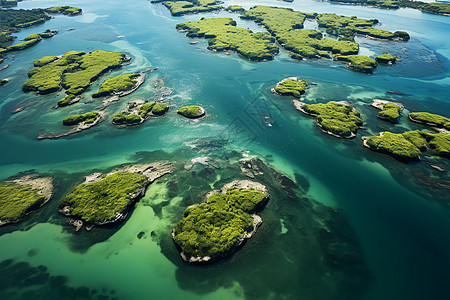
8,3
430,119
389,111
138,111
179,8
222,35
68,100
65,10
338,119
291,86
409,145
117,84
22,196
433,8
359,63
387,59
86,118
217,227
31,40
12,20
106,198
235,9
74,71
191,111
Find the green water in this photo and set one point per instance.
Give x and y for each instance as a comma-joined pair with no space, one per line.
398,225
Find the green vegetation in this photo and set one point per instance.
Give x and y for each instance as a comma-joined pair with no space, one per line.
65,10
291,87
16,200
101,201
410,144
23,45
74,71
117,84
8,3
146,108
222,35
87,118
215,228
339,119
385,59
178,8
44,60
126,119
192,111
235,8
430,119
390,112
160,109
66,100
359,63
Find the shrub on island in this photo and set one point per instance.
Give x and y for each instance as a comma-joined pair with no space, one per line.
146,108
126,119
396,145
160,109
390,112
86,118
116,84
359,63
291,86
386,59
102,201
66,100
191,111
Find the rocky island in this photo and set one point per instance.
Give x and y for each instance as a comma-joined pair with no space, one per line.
338,119
138,111
291,86
191,111
107,198
389,111
22,196
216,228
74,71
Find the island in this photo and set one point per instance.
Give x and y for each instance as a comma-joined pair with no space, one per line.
291,86
65,10
138,111
68,100
107,198
436,121
79,121
338,119
409,145
179,8
74,71
216,228
22,196
120,85
386,59
4,81
359,63
191,111
235,9
389,111
223,35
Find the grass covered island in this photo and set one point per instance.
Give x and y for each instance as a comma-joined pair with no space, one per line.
359,63
389,111
410,144
179,8
216,228
138,111
291,86
74,71
223,35
338,119
68,100
107,198
386,59
22,196
120,85
429,119
191,111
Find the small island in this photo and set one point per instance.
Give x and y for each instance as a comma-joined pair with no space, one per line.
409,145
438,122
65,10
216,228
338,119
138,111
235,9
386,59
179,8
358,63
191,111
120,85
74,71
389,111
22,196
68,100
291,86
107,198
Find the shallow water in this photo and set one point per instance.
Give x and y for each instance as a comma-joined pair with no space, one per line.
400,224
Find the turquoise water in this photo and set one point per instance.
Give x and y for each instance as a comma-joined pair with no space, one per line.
401,225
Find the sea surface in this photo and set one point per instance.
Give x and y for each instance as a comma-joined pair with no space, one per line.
395,216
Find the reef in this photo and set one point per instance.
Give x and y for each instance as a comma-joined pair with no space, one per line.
107,198
20,197
337,119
